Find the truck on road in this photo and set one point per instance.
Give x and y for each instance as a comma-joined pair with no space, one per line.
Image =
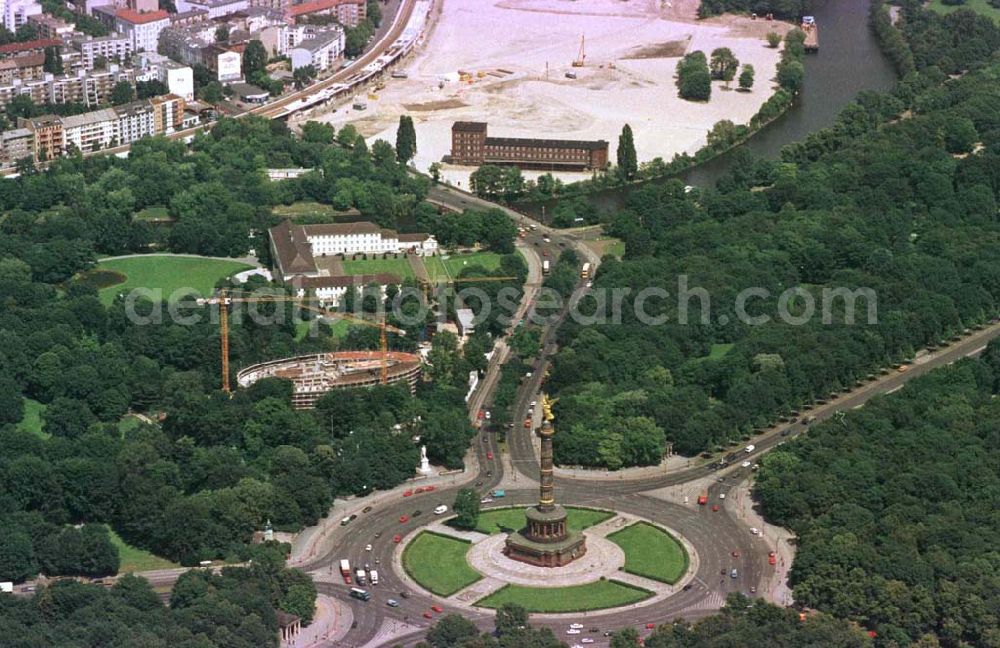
373,576
545,266
359,576
345,571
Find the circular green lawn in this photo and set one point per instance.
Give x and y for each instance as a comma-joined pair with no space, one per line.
651,552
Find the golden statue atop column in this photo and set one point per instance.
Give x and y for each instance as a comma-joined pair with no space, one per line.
545,541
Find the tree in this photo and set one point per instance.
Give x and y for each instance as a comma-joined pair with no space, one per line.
122,93
16,556
773,39
466,509
318,133
510,619
11,402
694,79
451,631
254,58
627,162
724,64
211,93
435,171
746,77
302,76
53,61
373,12
153,88
222,33
791,74
406,139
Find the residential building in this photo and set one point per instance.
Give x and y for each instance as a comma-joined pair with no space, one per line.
347,12
280,5
89,88
112,48
15,144
28,47
143,29
320,51
47,136
24,68
178,78
215,8
87,7
135,121
17,12
330,290
185,18
168,113
296,247
226,64
470,145
50,26
90,131
143,6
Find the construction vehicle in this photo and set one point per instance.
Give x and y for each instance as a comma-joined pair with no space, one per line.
582,56
224,299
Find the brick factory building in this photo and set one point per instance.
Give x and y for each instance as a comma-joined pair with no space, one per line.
471,146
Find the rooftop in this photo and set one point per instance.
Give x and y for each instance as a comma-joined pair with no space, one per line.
318,5
93,117
469,126
27,46
137,18
590,145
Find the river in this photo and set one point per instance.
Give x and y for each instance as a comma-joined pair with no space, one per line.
849,61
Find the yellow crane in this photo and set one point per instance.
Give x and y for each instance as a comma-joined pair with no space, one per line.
582,56
223,299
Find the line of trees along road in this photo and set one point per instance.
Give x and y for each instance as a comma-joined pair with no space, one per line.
899,196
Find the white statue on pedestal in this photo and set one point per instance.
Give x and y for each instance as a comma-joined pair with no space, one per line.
425,465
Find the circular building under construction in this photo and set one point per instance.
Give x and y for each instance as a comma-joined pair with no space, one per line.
314,375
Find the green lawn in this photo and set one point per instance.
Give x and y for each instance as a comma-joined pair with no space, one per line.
127,424
577,519
651,552
136,560
305,208
979,6
32,419
447,268
163,273
577,598
400,266
152,213
607,245
717,352
437,563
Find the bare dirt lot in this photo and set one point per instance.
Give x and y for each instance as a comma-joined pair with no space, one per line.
518,52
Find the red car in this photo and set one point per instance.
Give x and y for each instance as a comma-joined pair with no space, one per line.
428,615
408,493
772,559
419,490
527,424
489,455
437,608
715,508
650,626
736,554
397,538
428,489
481,414
404,518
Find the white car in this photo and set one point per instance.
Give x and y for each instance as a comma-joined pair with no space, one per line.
441,510
745,464
486,500
750,448
722,496
576,626
587,640
754,531
487,415
572,631
368,547
533,403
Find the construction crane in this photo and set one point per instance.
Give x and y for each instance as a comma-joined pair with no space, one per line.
582,56
224,299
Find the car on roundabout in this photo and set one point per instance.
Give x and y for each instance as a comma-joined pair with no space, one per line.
772,558
715,508
573,631
428,615
577,626
397,538
437,608
403,519
392,603
368,547
408,493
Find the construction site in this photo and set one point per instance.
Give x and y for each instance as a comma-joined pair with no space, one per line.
314,375
564,69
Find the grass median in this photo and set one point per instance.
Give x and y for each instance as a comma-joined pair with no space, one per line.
437,563
598,595
651,552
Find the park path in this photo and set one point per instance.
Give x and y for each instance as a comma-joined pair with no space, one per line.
245,259
417,265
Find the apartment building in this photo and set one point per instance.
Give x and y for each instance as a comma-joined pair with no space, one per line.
90,131
15,144
347,12
47,136
28,47
134,121
215,8
50,26
25,68
321,51
113,48
143,29
89,88
168,113
16,13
